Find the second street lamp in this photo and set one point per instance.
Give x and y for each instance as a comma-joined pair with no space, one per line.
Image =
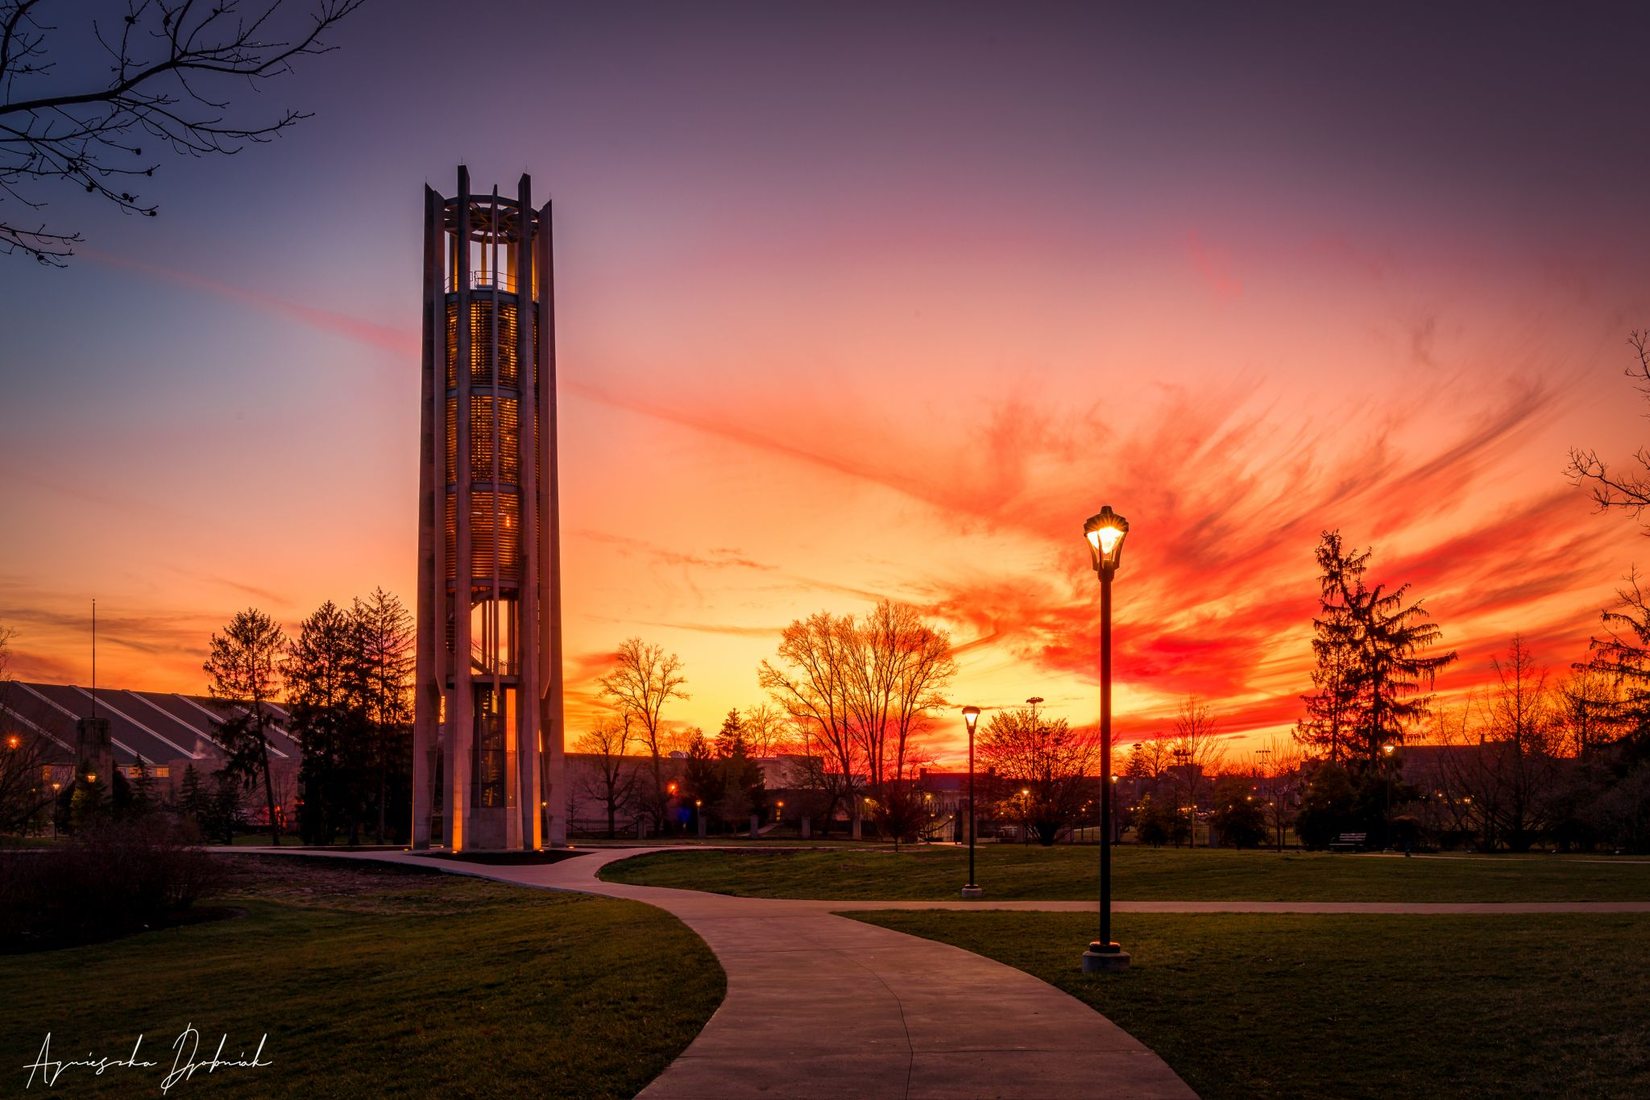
971,717
1105,532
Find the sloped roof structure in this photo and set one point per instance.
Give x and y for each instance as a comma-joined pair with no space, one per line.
154,726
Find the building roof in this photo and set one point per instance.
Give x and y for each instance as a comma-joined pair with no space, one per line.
158,726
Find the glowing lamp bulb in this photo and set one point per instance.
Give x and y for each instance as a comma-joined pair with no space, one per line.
1105,532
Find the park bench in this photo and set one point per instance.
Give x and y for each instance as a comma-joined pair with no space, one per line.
1349,841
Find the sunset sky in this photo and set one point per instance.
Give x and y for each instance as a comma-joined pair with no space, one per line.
859,301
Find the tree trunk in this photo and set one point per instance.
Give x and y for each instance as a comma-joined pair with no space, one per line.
269,788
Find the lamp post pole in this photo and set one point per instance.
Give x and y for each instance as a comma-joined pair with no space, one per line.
971,717
1105,533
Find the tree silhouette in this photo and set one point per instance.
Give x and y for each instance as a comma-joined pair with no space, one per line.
1049,759
243,669
645,680
1331,709
171,64
1371,660
1628,492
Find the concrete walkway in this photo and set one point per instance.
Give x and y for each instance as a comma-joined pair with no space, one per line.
821,1006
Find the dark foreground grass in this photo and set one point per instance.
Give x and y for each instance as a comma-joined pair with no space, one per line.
1010,872
370,981
1353,1007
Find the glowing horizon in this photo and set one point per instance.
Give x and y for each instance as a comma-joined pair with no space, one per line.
827,340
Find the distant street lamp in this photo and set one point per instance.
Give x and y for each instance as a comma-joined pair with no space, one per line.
1105,532
971,718
699,814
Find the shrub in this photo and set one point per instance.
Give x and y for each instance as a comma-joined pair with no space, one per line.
111,880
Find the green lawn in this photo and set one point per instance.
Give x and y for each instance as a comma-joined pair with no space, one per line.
1352,1007
1010,872
373,981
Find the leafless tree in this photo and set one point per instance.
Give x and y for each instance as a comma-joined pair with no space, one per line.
901,666
769,732
1280,784
645,679
1591,706
865,688
1047,759
1150,758
1630,492
170,67
1196,747
24,791
810,682
1506,760
613,780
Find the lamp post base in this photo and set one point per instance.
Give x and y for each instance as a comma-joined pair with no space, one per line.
972,891
1102,958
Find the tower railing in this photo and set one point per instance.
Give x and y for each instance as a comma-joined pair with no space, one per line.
505,281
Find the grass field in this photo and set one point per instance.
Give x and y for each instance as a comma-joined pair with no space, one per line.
1009,872
1353,1007
373,981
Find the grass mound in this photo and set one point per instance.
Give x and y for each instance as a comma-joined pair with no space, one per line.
369,981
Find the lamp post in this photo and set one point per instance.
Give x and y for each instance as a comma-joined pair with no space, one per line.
1105,532
971,718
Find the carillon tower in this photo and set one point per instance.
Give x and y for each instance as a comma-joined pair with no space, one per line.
487,733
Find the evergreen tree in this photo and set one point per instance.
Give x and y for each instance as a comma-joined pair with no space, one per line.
193,802
1237,813
243,670
387,635
326,694
703,780
743,788
1371,661
1331,710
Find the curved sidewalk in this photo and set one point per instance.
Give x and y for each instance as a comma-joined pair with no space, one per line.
821,1006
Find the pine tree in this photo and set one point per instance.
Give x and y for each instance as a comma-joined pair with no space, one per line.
387,636
1371,662
1392,668
702,776
1331,710
743,789
193,802
243,670
326,693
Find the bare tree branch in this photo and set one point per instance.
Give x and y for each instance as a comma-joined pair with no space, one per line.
166,65
1628,492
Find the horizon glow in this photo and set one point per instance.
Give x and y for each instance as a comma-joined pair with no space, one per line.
863,303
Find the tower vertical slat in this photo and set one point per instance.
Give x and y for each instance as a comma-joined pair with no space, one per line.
550,501
528,606
432,493
461,705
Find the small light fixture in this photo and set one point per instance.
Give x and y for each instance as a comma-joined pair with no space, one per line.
1105,532
971,715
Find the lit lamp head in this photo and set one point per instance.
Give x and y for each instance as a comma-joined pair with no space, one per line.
971,715
1105,532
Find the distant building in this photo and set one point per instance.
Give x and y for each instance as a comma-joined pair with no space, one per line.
154,733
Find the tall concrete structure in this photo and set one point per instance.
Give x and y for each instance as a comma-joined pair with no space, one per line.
487,733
